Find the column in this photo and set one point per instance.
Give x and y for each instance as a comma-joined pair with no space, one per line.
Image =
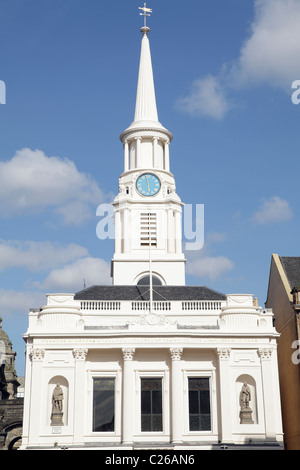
126,156
128,397
176,396
171,234
225,394
167,155
268,392
178,232
118,233
155,152
36,357
79,394
138,152
126,229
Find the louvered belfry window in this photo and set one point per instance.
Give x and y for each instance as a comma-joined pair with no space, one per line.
148,229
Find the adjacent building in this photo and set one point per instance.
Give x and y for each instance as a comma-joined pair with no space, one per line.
150,362
284,299
11,403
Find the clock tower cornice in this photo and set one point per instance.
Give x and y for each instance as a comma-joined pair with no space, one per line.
133,132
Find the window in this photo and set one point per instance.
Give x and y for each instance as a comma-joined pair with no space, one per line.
151,405
199,404
104,405
148,229
145,281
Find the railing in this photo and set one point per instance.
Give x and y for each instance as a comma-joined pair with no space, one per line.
146,305
202,305
140,305
100,305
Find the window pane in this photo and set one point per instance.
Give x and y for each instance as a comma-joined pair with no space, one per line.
146,402
199,404
193,401
104,405
156,402
151,405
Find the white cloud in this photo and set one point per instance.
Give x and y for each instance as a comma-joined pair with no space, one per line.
36,256
271,53
206,98
32,181
273,210
71,277
12,302
209,266
203,264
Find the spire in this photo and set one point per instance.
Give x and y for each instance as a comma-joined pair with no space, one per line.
145,109
146,116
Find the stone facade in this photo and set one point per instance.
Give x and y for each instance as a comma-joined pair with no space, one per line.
11,407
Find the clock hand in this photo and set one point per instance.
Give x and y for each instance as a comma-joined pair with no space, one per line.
147,183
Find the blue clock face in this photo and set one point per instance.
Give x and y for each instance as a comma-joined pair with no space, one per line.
148,184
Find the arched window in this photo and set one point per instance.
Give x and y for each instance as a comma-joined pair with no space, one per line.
145,281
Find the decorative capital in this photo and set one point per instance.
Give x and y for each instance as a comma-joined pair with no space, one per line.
128,354
80,354
176,353
223,353
37,354
265,353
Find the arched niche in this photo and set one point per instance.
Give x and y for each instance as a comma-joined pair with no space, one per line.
64,384
250,381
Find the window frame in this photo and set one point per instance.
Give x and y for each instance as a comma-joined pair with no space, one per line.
151,414
164,375
198,375
117,412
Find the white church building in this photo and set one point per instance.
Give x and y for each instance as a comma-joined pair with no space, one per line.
150,362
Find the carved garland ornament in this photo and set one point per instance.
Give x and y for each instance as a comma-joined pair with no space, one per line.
80,354
37,354
176,353
128,354
265,353
224,353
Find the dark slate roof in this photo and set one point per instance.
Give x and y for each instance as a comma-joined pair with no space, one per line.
142,293
291,266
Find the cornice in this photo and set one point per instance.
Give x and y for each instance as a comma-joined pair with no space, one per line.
133,130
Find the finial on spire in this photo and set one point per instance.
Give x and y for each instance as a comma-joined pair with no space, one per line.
146,12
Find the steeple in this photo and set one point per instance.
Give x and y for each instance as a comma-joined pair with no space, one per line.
145,109
147,210
146,115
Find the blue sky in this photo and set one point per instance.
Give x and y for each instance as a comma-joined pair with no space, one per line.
223,72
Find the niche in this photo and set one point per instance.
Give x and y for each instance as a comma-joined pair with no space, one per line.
246,400
62,406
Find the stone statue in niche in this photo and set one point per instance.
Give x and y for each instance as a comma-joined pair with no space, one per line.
57,406
246,411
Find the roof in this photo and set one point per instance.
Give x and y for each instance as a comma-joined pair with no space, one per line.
291,266
142,293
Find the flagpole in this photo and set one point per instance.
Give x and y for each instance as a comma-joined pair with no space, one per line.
150,265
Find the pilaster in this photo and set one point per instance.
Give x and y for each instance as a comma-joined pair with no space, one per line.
128,394
79,394
176,398
265,355
225,394
36,356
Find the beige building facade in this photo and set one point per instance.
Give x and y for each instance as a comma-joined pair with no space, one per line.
284,298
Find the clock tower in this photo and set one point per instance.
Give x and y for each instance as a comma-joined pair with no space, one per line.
147,210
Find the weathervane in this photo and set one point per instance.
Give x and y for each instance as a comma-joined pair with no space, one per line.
146,12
